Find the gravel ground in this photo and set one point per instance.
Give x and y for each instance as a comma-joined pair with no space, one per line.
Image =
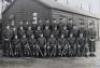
58,62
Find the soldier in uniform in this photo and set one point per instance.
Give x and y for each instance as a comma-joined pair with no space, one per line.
71,41
55,32
34,25
33,44
26,25
7,37
25,46
75,31
21,32
42,45
16,46
46,32
91,41
65,31
52,46
62,46
38,32
29,32
81,46
70,24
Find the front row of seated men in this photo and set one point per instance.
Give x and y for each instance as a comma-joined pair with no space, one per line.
19,42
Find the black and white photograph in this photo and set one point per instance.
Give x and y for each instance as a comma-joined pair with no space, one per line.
49,33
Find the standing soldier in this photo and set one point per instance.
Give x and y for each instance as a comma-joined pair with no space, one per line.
46,32
26,25
52,46
29,32
91,41
25,46
70,24
21,32
33,44
62,42
42,45
7,37
81,46
75,31
16,46
38,32
34,25
71,41
55,32
64,31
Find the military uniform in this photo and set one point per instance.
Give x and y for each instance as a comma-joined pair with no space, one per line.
16,47
62,46
55,32
21,32
51,46
65,32
81,47
7,36
91,41
38,32
33,44
25,46
29,32
47,33
42,45
71,41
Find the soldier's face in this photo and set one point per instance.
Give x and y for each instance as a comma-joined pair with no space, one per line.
14,29
46,27
65,27
38,28
41,35
27,23
8,27
21,28
62,36
16,37
32,36
71,35
24,36
29,28
55,28
13,23
52,36
81,35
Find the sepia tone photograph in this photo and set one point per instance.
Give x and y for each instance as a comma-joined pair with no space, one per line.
49,33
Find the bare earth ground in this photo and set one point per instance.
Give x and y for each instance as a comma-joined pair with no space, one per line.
59,62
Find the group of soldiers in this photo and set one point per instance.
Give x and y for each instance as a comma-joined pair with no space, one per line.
49,39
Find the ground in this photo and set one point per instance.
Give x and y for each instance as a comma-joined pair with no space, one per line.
58,62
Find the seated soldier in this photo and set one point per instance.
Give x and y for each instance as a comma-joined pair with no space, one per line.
16,46
33,44
42,45
25,46
46,32
29,32
51,46
62,46
7,37
38,32
81,46
72,44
